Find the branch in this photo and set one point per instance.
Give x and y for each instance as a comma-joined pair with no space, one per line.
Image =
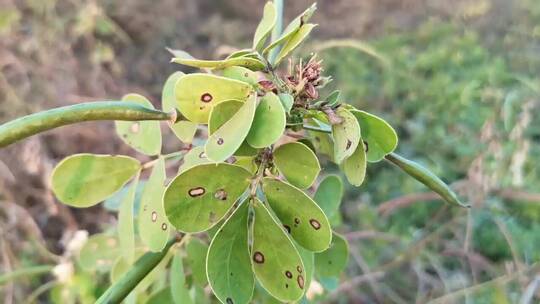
121,289
32,124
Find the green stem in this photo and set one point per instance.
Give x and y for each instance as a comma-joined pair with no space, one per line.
427,178
32,124
121,289
278,28
25,272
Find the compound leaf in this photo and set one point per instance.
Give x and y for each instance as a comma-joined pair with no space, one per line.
295,41
265,27
269,122
379,137
200,197
153,225
297,163
83,180
275,261
98,253
227,265
196,94
355,165
299,214
126,229
346,135
229,137
143,136
333,261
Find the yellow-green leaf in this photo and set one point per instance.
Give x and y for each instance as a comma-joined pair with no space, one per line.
83,180
294,42
241,74
355,165
297,163
379,137
168,100
269,122
126,229
99,252
265,27
251,63
346,135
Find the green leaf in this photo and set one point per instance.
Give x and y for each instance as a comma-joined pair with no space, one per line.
196,94
162,296
329,194
355,165
153,225
194,157
180,291
185,130
323,142
379,137
168,100
98,253
333,98
287,101
251,63
299,214
269,122
241,53
143,136
346,135
333,261
228,262
297,163
292,28
241,74
196,259
83,180
275,261
229,137
126,229
265,27
294,42
427,178
113,202
200,197
308,259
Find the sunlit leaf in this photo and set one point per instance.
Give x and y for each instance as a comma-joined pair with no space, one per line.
126,228
292,28
275,261
99,252
83,180
294,42
329,194
194,157
378,136
229,137
251,63
241,74
168,100
297,163
334,260
269,122
346,135
196,259
199,197
196,94
153,225
228,262
179,290
143,136
355,165
299,214
265,26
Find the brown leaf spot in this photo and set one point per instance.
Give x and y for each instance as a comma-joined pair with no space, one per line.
288,274
221,195
258,257
287,228
164,226
366,146
197,191
315,224
202,155
220,141
229,301
206,97
299,269
154,216
296,220
300,280
349,144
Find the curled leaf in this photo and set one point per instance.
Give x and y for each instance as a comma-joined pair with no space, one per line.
346,135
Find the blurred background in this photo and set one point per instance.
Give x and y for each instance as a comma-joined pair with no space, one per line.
459,80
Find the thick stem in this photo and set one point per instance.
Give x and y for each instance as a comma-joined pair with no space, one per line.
427,178
32,124
121,289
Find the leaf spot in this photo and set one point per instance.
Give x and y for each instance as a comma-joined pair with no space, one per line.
197,191
300,280
258,257
287,228
206,97
211,217
221,195
229,301
220,141
315,224
349,143
296,220
366,146
299,269
202,155
154,216
164,226
288,274
286,285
